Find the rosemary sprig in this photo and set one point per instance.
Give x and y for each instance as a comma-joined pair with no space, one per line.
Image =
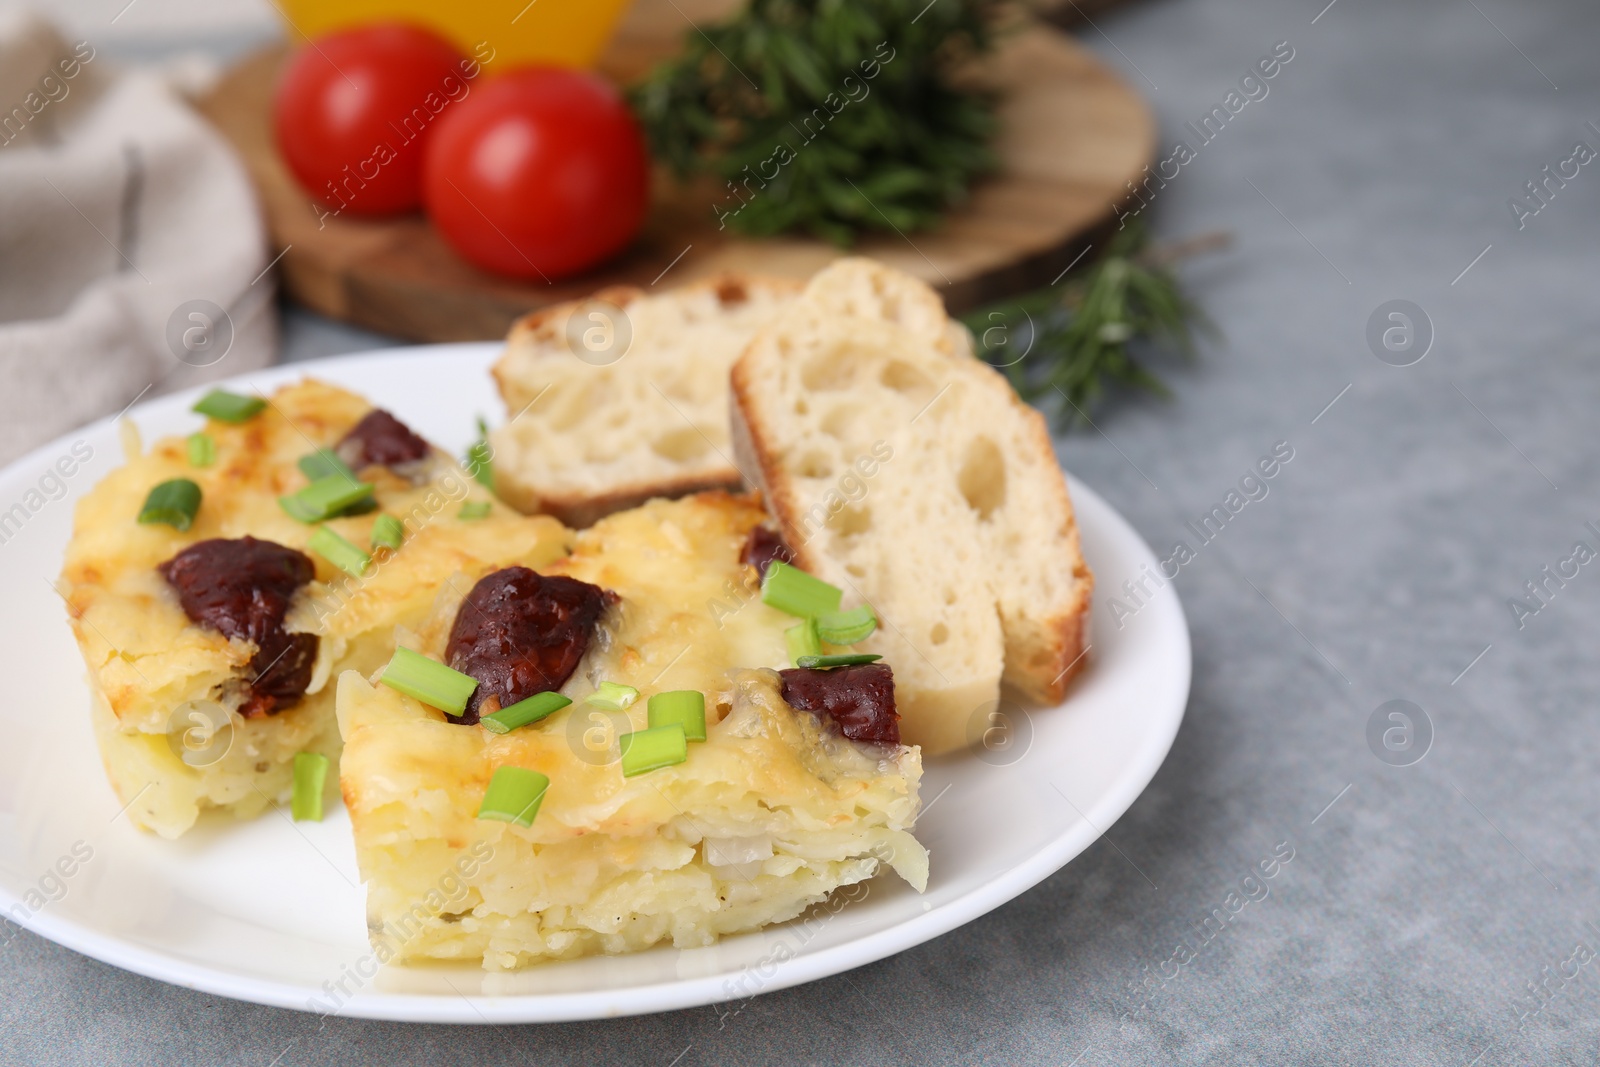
1070,341
832,117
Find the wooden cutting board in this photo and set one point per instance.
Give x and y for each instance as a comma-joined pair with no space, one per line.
1073,135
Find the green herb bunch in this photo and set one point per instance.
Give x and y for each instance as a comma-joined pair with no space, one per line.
1070,340
832,117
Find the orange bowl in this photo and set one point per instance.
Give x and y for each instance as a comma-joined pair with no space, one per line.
501,34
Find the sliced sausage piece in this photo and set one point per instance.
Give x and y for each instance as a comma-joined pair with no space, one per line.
241,589
520,633
380,439
859,700
763,546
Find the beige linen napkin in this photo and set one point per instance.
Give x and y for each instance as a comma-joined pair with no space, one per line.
132,254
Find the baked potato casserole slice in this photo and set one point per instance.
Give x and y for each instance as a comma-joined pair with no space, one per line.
211,648
770,813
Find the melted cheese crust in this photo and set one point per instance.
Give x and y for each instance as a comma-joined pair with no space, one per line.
146,659
615,864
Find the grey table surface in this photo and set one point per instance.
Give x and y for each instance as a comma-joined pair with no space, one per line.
1437,913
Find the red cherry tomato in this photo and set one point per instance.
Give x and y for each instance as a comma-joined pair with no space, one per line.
354,110
539,173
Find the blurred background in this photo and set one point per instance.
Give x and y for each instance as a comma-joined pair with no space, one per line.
201,189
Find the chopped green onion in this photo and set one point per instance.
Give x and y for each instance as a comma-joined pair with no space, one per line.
327,543
326,498
224,406
523,712
475,509
388,532
173,503
480,457
847,627
652,749
854,659
202,450
323,462
310,775
803,640
613,696
429,681
791,590
514,796
683,707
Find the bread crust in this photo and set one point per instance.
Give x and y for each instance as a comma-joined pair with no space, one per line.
1065,657
544,324
754,459
583,510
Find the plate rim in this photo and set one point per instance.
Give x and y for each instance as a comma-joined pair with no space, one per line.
141,959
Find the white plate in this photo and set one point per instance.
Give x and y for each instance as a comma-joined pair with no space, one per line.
270,911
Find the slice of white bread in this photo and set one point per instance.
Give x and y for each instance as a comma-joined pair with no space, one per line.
911,475
622,397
